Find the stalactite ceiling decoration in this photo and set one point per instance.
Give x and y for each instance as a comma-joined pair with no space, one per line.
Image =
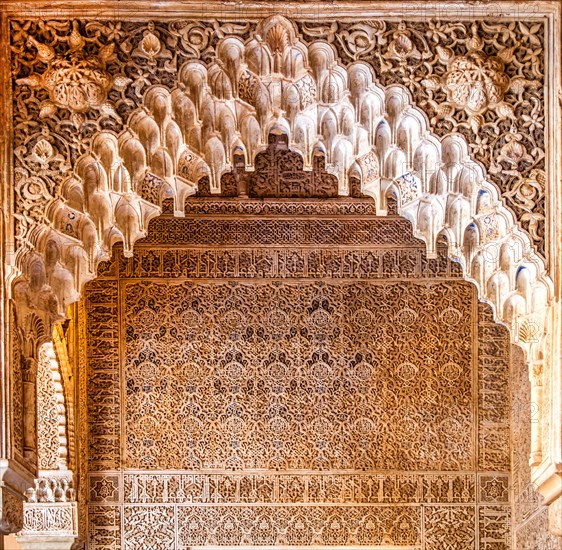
112,118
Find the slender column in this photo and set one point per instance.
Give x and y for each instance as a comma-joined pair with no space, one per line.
30,412
536,378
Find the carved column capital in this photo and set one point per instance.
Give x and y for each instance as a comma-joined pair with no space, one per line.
11,511
50,519
49,526
52,486
13,480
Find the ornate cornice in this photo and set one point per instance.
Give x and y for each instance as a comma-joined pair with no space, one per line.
444,9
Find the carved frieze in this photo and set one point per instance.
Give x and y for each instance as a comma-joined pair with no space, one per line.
230,232
272,526
493,403
103,402
17,360
48,413
305,207
295,263
277,383
59,518
292,488
355,245
105,527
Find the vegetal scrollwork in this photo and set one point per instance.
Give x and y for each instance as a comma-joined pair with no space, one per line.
253,409
75,80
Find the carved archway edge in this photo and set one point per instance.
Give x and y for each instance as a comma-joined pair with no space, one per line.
275,83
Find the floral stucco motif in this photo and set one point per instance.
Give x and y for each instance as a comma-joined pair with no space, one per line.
475,82
77,81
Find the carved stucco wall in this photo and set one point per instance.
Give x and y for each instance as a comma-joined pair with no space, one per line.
250,383
503,63
132,114
530,516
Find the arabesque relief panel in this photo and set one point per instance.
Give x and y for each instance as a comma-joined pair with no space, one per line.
290,402
306,376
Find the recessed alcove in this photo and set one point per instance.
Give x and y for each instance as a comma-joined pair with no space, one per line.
220,332
288,372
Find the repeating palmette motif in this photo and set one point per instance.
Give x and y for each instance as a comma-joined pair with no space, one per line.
261,377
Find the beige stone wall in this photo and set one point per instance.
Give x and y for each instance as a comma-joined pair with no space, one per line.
247,395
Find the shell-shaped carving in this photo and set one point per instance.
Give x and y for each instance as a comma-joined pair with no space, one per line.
150,45
277,39
43,150
530,332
